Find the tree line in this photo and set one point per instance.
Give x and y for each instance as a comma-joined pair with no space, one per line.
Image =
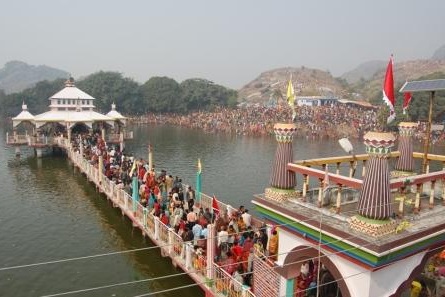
158,95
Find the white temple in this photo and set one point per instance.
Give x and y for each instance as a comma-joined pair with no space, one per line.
70,107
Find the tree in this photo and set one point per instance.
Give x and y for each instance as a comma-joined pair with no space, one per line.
36,98
201,94
112,87
419,106
162,94
277,95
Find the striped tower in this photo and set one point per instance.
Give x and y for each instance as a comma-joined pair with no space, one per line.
405,163
282,181
374,205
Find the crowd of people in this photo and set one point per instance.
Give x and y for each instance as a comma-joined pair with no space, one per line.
313,122
166,197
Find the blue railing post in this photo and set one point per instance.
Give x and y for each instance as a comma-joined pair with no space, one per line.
135,192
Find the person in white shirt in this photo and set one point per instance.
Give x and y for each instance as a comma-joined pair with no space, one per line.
247,218
223,236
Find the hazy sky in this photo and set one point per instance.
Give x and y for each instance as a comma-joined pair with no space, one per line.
229,42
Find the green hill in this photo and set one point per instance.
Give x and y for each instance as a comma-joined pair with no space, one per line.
16,76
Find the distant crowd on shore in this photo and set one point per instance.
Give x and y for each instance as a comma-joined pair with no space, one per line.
313,122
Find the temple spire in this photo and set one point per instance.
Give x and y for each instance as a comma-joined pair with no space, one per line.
374,205
69,82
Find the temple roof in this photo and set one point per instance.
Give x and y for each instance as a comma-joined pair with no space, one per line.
25,115
71,116
113,113
71,92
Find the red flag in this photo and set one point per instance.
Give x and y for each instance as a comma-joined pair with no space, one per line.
215,205
406,100
388,91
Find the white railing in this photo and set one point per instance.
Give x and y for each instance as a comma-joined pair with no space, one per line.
121,197
226,285
150,223
139,214
266,280
128,201
199,263
163,232
178,245
17,139
114,138
128,135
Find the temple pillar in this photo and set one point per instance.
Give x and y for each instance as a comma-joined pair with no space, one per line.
156,223
39,152
374,204
121,141
188,255
405,163
17,151
100,169
102,130
290,284
282,181
211,246
81,147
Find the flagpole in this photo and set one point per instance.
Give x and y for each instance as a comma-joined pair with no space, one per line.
150,158
428,134
198,183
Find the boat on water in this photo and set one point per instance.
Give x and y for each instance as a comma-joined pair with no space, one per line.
329,234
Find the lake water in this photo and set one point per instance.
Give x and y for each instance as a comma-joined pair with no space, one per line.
48,211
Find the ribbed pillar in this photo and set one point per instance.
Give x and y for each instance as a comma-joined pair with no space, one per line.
406,160
280,177
374,201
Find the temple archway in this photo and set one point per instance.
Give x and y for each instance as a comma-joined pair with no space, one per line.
330,277
80,128
417,272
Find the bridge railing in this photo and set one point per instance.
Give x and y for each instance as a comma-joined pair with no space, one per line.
163,233
128,135
128,201
114,138
150,222
139,214
226,285
178,245
338,191
17,139
105,183
121,197
40,140
199,263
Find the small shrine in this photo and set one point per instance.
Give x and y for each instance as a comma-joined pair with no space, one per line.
71,110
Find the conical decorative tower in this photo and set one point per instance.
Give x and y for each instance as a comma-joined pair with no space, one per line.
405,163
282,181
374,205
